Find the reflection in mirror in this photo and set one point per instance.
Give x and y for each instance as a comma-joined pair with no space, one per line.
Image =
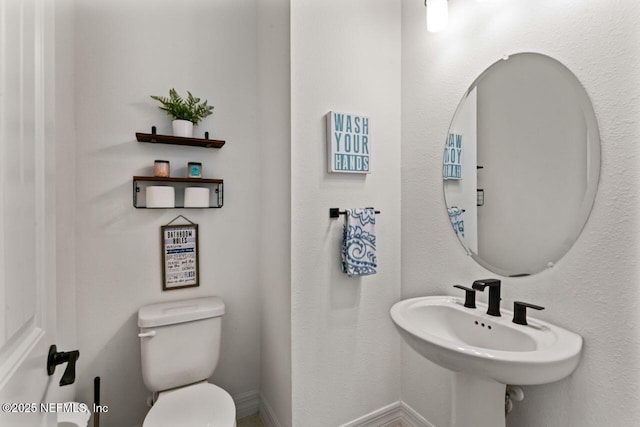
521,164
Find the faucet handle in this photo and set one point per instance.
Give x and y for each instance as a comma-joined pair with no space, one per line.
520,311
469,296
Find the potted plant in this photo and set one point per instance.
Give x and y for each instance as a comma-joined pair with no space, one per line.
186,113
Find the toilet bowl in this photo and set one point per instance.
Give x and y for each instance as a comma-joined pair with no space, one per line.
197,405
180,349
77,417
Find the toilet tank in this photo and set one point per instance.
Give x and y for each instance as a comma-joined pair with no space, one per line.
179,341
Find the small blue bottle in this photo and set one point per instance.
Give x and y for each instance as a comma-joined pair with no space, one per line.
195,170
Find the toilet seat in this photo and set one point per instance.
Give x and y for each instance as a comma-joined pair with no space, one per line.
198,405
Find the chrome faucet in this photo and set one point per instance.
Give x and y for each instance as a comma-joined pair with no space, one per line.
494,294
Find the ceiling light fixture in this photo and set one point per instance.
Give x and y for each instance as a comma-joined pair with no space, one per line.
437,15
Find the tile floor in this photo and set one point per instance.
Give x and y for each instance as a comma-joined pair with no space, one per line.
254,421
250,421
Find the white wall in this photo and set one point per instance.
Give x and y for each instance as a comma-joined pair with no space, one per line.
345,56
275,201
594,289
126,51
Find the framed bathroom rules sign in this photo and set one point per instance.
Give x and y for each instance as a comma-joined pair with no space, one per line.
348,143
179,256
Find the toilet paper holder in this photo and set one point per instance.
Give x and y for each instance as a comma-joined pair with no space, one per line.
215,186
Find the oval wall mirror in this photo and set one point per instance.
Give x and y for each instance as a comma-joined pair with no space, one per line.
521,164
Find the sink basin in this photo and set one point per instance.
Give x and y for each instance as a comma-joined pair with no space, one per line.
461,339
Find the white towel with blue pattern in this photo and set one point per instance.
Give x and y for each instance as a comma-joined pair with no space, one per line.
359,243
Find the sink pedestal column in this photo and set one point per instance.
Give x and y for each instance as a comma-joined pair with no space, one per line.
477,401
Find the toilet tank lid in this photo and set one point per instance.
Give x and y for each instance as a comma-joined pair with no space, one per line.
168,313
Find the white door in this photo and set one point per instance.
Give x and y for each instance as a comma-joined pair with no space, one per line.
27,211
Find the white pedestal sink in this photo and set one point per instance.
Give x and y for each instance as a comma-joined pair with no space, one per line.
485,352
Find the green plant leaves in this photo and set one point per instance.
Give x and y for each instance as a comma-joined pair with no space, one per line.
190,109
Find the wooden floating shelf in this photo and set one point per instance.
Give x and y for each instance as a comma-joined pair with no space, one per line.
178,140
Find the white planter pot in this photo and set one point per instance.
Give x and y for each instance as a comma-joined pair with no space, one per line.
182,128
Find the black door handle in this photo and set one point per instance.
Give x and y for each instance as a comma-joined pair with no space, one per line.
56,358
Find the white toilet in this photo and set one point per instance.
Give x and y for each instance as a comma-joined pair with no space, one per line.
180,348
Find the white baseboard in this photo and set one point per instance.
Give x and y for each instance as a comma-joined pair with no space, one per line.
247,403
388,416
267,415
397,414
410,418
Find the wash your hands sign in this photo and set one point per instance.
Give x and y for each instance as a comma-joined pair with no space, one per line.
348,143
453,157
